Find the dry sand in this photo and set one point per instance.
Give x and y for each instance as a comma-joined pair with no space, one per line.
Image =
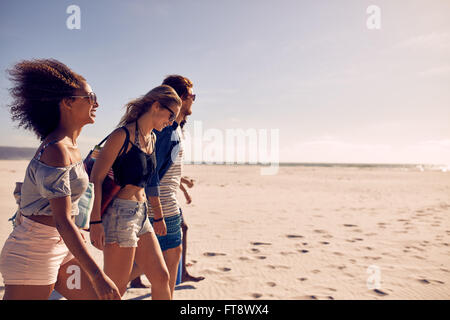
305,233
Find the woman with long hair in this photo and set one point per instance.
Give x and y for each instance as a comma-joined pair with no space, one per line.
47,248
124,233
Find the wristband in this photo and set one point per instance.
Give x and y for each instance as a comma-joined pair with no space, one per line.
95,222
158,220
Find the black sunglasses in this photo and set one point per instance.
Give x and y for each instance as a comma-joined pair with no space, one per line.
91,95
172,115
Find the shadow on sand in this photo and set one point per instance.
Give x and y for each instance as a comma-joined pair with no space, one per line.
177,288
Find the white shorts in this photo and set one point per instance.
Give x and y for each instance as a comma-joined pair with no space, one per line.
33,254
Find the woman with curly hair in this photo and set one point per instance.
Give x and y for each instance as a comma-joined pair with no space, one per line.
125,233
46,248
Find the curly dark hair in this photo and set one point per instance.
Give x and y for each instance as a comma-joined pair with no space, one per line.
39,87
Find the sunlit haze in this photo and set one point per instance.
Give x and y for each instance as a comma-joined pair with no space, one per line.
333,88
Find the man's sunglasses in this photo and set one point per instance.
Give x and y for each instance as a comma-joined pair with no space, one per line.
91,95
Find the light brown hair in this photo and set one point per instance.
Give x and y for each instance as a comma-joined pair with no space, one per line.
163,94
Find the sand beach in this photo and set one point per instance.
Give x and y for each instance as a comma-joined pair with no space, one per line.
304,233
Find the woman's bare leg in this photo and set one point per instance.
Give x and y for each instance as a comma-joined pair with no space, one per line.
73,283
172,258
27,292
150,261
118,263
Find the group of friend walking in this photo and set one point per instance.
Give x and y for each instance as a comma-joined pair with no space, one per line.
140,232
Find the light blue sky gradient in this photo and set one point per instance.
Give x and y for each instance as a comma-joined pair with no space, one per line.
337,91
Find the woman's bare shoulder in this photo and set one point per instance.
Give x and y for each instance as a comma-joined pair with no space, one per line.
56,155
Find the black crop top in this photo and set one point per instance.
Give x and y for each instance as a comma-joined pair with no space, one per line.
134,167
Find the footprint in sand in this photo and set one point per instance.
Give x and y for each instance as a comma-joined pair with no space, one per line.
379,292
294,236
424,281
350,225
277,267
370,234
256,295
303,251
225,269
260,243
286,253
372,258
213,254
271,284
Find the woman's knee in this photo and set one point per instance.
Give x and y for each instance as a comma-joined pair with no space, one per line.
161,277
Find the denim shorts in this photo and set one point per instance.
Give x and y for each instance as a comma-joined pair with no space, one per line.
173,237
125,221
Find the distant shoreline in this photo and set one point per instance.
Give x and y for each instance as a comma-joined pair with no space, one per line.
16,153
19,153
407,166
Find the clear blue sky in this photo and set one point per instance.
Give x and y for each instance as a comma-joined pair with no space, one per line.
337,91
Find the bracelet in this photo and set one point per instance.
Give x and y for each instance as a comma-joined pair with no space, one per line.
95,222
158,220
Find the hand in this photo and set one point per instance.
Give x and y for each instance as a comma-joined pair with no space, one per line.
97,235
188,197
105,288
190,183
160,228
